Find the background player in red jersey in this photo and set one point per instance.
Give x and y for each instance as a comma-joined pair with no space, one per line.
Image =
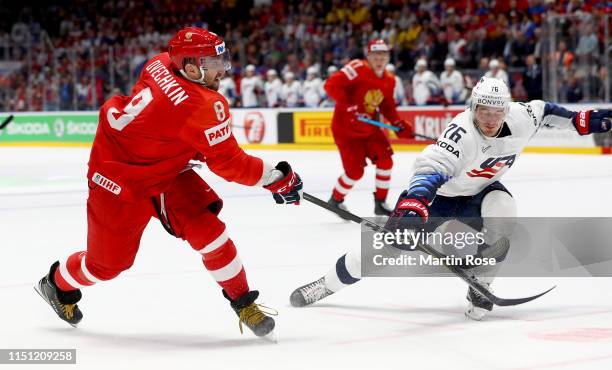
364,88
139,168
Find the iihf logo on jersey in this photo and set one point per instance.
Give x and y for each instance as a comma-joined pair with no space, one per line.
491,166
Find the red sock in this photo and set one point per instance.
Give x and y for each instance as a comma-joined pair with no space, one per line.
73,274
343,186
221,259
383,181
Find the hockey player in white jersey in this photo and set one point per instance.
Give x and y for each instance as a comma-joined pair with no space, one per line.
312,88
291,92
273,87
425,84
250,87
452,82
399,93
458,177
496,71
227,88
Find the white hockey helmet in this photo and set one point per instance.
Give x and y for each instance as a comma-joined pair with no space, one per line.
312,70
490,92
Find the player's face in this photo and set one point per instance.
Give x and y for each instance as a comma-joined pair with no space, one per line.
212,78
489,119
378,61
215,68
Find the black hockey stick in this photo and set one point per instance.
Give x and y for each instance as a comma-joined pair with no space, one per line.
470,280
7,120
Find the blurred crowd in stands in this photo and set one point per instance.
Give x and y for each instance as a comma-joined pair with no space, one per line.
75,54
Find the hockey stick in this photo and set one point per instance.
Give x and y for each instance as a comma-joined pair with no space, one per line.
470,280
390,127
7,120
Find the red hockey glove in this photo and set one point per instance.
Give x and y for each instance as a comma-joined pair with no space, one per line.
288,189
409,213
406,129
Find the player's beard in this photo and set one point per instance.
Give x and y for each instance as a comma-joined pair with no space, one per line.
216,81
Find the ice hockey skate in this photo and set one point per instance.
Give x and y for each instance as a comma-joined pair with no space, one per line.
310,293
63,303
251,314
478,305
338,205
381,208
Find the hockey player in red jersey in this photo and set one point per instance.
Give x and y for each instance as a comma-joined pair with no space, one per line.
139,168
363,88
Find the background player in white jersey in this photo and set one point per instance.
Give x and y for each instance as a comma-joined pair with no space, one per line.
452,82
272,87
328,101
496,71
227,88
399,93
312,88
291,91
425,84
250,87
458,177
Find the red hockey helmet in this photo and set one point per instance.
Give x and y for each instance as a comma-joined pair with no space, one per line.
206,48
378,45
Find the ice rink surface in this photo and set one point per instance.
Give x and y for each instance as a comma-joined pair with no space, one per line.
167,312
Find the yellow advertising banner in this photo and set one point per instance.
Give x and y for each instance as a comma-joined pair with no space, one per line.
312,127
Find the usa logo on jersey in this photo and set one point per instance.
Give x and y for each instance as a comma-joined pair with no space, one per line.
491,166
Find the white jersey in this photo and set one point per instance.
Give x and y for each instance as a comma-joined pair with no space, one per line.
273,92
399,93
227,88
290,94
313,92
473,161
248,88
501,75
453,86
423,86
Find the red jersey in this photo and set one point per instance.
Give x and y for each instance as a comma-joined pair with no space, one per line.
145,140
357,84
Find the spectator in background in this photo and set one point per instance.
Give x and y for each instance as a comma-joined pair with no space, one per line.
496,71
83,91
571,89
588,47
272,88
227,88
399,93
452,82
425,85
312,88
290,93
563,57
250,87
532,78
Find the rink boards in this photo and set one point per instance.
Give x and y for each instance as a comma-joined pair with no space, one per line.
287,129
